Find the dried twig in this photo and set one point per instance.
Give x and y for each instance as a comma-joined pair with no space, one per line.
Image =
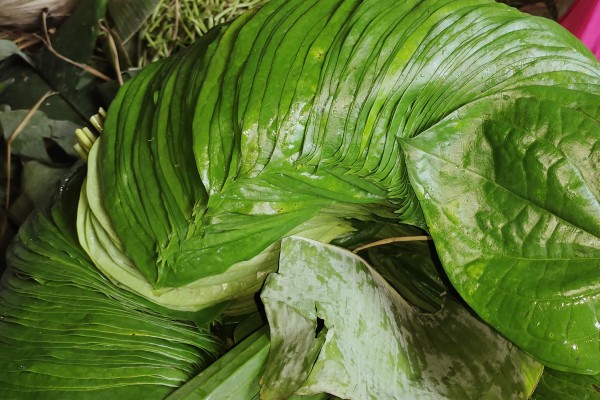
84,67
113,49
392,240
13,136
27,42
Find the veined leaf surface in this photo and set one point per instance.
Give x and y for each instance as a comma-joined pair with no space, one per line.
510,192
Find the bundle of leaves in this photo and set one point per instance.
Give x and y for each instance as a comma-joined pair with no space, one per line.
239,177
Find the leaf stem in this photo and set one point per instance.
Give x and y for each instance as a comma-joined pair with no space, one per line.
383,242
113,49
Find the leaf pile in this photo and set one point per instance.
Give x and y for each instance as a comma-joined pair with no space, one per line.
307,122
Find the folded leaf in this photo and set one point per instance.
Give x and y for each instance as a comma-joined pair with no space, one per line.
465,118
375,345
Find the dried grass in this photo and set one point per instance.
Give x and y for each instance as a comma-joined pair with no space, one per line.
177,24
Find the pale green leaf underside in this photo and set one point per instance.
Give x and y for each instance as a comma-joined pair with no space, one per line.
9,48
374,344
236,375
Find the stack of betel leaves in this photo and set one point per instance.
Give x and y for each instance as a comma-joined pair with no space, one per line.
206,251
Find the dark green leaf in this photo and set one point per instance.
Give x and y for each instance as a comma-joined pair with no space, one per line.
412,268
76,39
449,112
25,87
129,15
39,135
556,385
38,184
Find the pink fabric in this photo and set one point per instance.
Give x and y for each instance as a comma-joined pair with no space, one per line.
583,20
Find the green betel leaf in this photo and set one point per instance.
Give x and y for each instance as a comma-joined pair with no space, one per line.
234,376
555,385
510,187
67,332
338,327
183,178
349,107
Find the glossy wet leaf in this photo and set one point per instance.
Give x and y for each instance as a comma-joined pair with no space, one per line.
207,201
373,344
510,190
342,108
